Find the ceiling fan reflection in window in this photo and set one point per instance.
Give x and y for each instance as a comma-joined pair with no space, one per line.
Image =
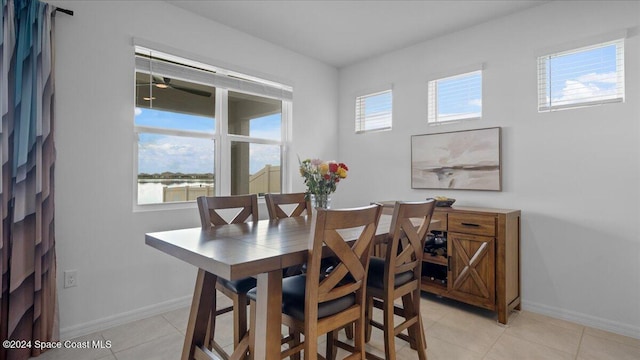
165,83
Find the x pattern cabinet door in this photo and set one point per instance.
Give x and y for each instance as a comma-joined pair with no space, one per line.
471,268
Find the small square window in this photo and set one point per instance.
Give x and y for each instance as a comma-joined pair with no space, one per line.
586,76
374,111
455,98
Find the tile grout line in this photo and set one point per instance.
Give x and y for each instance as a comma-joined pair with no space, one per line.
170,323
554,326
504,330
110,349
145,342
580,343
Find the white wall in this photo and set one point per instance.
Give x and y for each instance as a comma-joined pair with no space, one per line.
97,232
574,173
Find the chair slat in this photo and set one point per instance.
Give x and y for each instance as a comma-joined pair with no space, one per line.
275,201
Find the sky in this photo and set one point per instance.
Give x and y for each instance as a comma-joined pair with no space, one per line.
460,95
158,153
587,74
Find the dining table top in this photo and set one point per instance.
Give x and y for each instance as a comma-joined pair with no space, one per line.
236,251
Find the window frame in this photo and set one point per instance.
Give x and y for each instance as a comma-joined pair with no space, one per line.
222,139
543,79
360,117
432,96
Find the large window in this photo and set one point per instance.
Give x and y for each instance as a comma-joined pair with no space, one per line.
374,111
204,131
456,97
586,76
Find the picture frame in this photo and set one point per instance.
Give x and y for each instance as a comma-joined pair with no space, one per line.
457,160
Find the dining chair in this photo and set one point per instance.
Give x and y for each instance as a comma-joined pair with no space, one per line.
275,204
281,206
246,207
398,275
318,303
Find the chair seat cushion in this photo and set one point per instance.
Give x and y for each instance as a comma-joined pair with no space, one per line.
375,277
239,286
293,299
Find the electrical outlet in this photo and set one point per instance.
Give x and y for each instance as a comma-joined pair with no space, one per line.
70,278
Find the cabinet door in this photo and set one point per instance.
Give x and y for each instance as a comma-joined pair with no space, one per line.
472,269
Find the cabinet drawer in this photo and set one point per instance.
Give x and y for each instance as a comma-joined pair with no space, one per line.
442,224
472,224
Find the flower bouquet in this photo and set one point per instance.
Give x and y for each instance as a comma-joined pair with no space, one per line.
321,178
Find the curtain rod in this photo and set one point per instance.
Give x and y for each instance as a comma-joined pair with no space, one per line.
68,12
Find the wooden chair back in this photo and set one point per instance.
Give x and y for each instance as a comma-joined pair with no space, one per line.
210,205
406,241
275,202
330,226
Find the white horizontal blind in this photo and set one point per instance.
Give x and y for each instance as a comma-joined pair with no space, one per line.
374,111
455,98
155,64
590,75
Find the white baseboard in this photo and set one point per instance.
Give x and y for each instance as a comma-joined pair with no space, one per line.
584,319
90,327
93,326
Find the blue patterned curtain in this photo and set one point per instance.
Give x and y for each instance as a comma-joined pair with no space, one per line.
28,301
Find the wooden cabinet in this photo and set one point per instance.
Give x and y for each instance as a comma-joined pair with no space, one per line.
482,259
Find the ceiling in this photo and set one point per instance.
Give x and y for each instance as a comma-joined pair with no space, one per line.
341,33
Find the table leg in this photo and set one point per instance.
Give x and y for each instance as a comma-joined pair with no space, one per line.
203,295
268,316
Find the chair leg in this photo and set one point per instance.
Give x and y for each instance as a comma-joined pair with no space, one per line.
359,336
416,331
252,330
310,346
409,313
239,318
389,336
295,342
212,322
348,330
332,350
368,317
422,333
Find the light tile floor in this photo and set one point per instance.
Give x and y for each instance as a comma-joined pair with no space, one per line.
454,331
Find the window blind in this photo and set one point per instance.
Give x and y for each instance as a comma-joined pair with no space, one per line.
156,65
374,111
455,98
585,76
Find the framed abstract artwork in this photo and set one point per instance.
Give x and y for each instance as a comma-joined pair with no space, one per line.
465,160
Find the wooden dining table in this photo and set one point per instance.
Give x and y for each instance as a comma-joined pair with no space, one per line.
260,249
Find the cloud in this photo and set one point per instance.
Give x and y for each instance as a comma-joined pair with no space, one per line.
273,134
576,91
609,78
475,102
138,111
159,153
261,155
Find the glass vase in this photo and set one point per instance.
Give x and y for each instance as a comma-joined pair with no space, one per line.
322,201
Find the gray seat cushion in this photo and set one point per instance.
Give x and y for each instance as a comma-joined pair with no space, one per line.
240,286
376,274
293,299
